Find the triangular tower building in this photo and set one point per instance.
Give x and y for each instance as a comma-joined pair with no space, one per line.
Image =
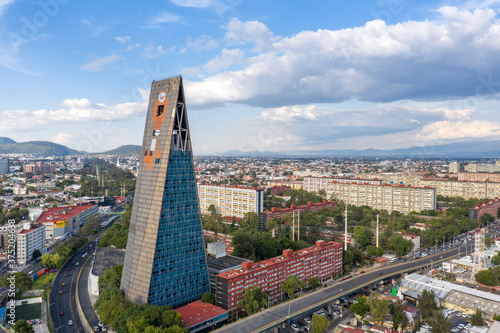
165,262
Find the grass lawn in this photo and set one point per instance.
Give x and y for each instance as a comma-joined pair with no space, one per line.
43,281
29,311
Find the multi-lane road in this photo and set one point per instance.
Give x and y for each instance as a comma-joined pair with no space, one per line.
67,302
265,320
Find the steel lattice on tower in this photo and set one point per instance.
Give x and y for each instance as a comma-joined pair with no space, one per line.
479,248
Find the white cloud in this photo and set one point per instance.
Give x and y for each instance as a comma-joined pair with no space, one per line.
4,4
226,59
72,111
254,32
439,59
123,40
99,64
202,43
165,17
218,6
153,51
459,130
62,138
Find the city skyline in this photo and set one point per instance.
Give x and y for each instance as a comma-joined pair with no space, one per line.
261,76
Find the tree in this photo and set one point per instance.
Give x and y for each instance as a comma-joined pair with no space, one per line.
253,300
426,303
50,260
22,326
319,324
208,298
91,226
361,236
477,318
291,284
488,242
212,210
314,282
486,218
126,215
23,281
398,316
379,309
111,278
361,307
486,277
373,251
438,322
36,254
495,260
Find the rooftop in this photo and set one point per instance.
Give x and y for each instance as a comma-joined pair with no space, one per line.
223,263
199,312
62,213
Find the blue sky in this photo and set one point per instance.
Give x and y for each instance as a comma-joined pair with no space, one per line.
259,75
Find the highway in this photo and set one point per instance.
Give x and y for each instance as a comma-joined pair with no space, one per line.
265,320
67,302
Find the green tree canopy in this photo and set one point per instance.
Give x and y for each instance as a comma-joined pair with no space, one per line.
379,308
208,298
477,318
22,326
319,324
361,306
426,303
291,284
253,300
22,280
314,282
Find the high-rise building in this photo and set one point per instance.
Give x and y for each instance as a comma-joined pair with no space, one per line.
4,167
454,167
231,200
31,238
165,262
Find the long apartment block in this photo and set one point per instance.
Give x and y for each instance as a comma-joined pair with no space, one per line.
446,188
231,200
321,261
401,198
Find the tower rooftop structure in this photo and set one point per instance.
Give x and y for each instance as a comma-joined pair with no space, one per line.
165,262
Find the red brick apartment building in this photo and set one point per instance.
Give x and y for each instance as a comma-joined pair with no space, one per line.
320,261
491,207
276,190
278,213
479,177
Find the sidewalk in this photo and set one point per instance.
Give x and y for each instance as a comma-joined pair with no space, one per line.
43,328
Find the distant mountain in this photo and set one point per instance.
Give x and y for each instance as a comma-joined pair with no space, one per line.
477,149
41,148
6,141
123,150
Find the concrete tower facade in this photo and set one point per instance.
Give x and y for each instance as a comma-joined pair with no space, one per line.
165,261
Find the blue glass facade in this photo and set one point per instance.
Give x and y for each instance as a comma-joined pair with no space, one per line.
179,274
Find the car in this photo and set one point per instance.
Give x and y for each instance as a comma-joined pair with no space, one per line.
73,263
61,313
83,255
63,284
70,323
60,292
100,323
77,264
329,316
307,320
96,328
69,268
301,324
380,273
362,272
295,327
65,274
104,329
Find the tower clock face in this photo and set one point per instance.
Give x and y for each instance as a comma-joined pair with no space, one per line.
162,96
